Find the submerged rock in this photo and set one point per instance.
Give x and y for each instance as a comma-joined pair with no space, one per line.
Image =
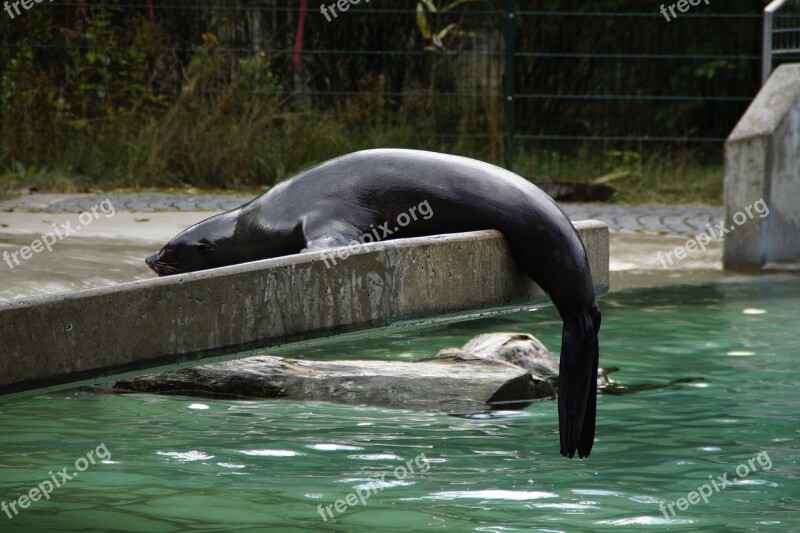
495,370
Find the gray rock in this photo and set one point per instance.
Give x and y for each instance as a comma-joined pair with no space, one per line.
520,349
491,371
450,385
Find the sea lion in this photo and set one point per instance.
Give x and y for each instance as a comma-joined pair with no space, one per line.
344,199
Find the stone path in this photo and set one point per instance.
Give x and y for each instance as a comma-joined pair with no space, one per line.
135,203
663,219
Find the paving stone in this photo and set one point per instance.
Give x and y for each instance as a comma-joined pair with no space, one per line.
672,219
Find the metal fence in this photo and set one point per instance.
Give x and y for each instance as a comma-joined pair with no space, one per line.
617,72
781,33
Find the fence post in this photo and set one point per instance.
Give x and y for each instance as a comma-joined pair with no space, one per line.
508,96
766,51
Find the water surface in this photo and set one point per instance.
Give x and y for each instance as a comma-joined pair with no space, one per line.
179,464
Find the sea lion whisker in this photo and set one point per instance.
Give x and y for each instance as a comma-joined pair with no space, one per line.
168,268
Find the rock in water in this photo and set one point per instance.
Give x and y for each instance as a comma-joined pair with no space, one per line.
520,349
493,370
455,386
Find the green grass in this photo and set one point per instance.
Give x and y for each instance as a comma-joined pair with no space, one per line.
215,134
109,111
677,179
682,177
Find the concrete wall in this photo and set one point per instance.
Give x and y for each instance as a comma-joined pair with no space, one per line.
762,161
157,324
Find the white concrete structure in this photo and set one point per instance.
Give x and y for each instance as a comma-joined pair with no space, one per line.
762,163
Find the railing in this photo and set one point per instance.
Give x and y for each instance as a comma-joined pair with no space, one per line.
781,35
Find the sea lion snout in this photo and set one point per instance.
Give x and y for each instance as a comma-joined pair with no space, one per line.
152,259
154,262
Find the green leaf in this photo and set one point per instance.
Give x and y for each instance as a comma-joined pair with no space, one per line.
429,4
91,57
453,5
422,22
442,34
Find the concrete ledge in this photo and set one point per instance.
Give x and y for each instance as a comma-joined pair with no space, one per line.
222,314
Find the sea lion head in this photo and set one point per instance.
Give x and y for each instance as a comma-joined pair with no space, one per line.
207,244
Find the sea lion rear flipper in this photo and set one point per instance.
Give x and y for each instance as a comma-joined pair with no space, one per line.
577,383
587,433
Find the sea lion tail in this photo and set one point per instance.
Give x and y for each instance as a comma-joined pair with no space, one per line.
577,382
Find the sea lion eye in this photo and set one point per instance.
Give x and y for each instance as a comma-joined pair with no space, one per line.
204,244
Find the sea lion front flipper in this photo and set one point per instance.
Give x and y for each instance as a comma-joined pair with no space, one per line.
321,232
324,243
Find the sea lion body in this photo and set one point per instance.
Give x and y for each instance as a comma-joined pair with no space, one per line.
344,199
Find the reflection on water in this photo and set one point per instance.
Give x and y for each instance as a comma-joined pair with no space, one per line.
183,463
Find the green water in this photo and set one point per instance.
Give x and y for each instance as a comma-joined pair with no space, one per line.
180,464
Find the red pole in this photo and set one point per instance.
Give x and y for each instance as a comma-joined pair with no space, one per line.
298,40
